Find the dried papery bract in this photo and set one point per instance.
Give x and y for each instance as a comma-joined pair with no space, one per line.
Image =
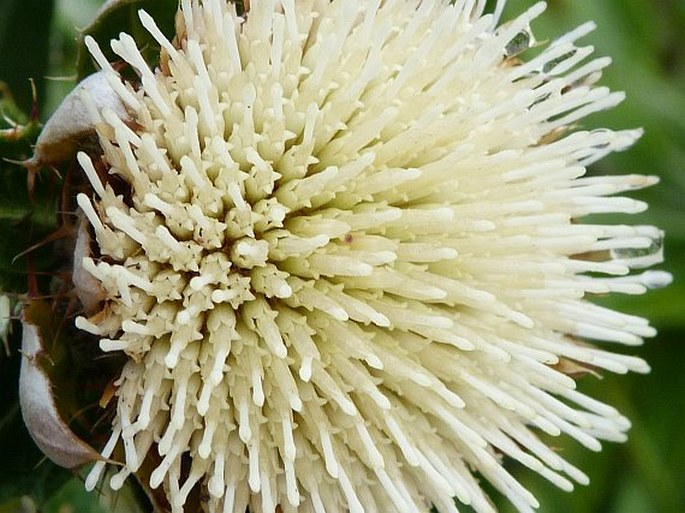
5,320
37,399
351,264
89,290
73,120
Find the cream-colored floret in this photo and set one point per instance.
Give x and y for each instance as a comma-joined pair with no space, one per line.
350,256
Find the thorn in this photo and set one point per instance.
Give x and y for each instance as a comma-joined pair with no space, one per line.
32,282
32,167
34,106
22,163
61,232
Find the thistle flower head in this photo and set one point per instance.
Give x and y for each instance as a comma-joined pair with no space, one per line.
341,243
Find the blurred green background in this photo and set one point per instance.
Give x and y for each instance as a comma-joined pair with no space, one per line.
645,38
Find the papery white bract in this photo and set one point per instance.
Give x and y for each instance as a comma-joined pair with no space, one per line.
350,266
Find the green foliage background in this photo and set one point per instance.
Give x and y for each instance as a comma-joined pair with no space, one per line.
645,39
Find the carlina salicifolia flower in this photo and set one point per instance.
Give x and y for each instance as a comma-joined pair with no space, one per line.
349,265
